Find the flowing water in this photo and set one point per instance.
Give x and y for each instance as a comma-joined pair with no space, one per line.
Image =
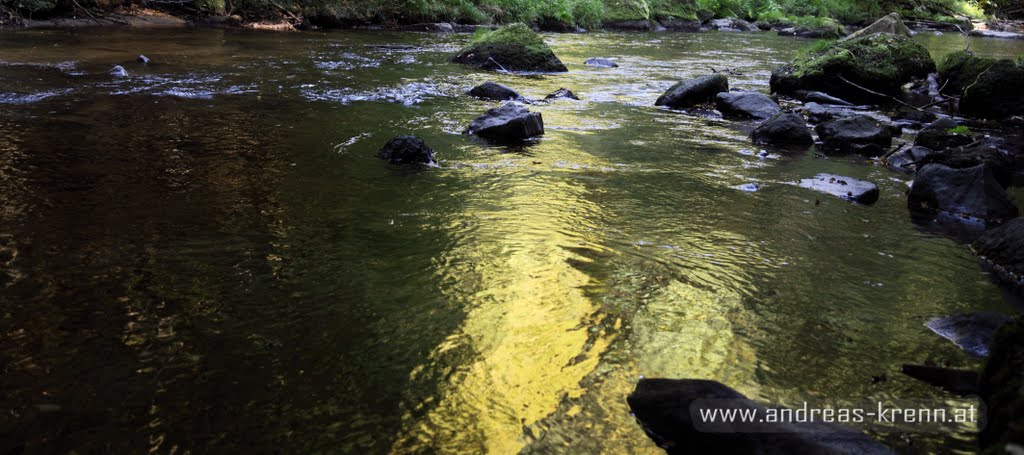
206,256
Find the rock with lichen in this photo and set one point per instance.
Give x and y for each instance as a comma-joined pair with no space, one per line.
987,87
513,47
880,63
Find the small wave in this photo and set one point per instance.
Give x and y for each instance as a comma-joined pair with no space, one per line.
408,94
29,98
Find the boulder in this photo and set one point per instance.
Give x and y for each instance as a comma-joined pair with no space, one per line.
851,189
406,150
746,105
1002,390
629,25
855,134
960,382
513,47
508,123
1002,249
682,25
908,159
809,96
817,113
906,113
881,63
732,25
669,410
601,63
694,91
1002,156
785,128
972,191
971,332
890,24
943,134
987,87
493,91
561,93
438,27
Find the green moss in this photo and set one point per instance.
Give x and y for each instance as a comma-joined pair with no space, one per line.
514,47
997,92
881,62
960,69
960,130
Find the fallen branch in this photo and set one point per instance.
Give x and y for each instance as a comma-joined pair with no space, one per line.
967,43
882,95
496,63
86,12
295,18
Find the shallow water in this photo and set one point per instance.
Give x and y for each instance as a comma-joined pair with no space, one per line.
206,255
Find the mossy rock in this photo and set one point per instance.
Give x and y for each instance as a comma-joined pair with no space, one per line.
1002,389
988,87
960,69
513,47
879,62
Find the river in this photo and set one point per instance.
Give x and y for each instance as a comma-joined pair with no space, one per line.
206,256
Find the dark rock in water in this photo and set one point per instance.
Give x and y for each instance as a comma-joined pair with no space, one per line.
855,134
971,332
1002,249
1002,390
682,25
784,128
906,113
851,189
513,47
890,24
732,25
818,113
550,24
142,59
561,93
749,187
601,63
509,123
819,97
493,91
694,91
960,382
879,62
669,410
118,71
629,26
746,105
1003,157
907,159
940,135
406,150
988,88
971,192
439,27
830,29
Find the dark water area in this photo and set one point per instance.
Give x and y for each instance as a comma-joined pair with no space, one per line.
205,256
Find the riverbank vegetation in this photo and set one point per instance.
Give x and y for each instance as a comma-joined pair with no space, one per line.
584,13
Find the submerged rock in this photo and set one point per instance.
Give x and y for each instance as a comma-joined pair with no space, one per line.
513,47
960,382
987,87
851,189
118,71
1002,249
507,124
942,134
667,409
855,134
785,128
694,91
630,25
890,24
732,25
681,25
493,91
1002,390
406,150
601,63
971,332
561,93
432,27
882,63
746,105
973,192
142,59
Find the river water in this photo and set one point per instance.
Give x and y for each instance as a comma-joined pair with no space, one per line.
206,256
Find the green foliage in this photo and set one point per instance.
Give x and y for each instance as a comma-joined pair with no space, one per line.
30,7
215,7
960,130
